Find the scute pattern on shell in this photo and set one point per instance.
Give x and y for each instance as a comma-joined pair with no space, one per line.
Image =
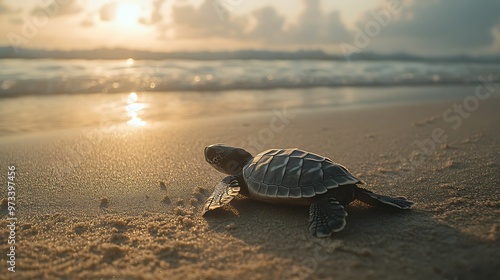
293,173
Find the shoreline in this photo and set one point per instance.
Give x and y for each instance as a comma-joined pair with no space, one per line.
55,112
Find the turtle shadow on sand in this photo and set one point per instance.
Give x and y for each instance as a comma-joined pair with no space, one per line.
377,242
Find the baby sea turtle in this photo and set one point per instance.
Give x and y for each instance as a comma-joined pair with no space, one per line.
292,176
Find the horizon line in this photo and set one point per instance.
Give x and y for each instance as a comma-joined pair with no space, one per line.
107,53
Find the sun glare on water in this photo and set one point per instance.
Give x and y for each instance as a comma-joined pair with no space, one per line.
127,14
133,109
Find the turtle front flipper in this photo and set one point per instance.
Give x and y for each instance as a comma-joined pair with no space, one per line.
381,200
224,192
326,216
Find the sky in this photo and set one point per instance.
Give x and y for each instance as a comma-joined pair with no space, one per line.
425,27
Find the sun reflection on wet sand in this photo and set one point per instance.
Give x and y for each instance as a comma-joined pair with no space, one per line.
133,109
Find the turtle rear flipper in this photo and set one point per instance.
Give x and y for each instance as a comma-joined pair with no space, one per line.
224,192
381,200
326,216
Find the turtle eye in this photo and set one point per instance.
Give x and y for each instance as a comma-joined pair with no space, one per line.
214,157
217,158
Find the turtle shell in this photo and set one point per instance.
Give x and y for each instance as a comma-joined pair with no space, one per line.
293,173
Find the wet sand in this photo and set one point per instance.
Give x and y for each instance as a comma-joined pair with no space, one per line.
123,202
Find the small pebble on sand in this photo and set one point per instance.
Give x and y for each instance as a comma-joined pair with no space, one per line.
104,202
230,226
166,200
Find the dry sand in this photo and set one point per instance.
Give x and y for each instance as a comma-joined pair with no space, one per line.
123,202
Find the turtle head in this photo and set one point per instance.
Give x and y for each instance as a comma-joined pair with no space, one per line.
227,159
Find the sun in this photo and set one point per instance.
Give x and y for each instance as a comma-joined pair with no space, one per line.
127,14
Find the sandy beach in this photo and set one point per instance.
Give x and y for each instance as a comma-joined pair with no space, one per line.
107,109
123,201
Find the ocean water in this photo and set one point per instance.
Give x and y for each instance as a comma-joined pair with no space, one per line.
47,94
49,76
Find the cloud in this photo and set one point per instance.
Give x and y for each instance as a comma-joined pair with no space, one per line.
268,25
422,27
4,9
310,23
446,25
156,15
108,11
88,21
312,27
68,7
16,20
156,18
316,27
206,21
